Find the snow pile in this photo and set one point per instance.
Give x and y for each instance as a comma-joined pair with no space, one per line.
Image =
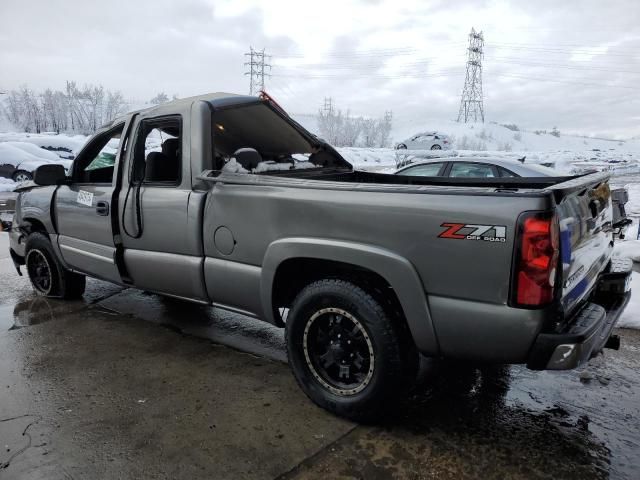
630,318
270,165
630,247
34,150
232,166
7,185
496,137
28,157
568,162
369,158
65,146
492,136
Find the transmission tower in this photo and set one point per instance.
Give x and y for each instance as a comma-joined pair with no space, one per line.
471,104
328,105
257,64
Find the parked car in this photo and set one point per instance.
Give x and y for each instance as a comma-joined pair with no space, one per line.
426,141
497,167
476,167
363,270
18,160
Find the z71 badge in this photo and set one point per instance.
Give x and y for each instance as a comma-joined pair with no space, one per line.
462,231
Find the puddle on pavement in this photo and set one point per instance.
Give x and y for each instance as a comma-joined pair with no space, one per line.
29,311
538,418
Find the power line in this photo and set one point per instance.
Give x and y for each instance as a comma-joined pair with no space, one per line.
563,50
365,53
471,101
353,65
557,80
560,45
368,75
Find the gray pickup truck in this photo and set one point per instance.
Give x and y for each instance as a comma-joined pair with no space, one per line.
224,200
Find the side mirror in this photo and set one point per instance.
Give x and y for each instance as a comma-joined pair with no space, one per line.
249,158
51,174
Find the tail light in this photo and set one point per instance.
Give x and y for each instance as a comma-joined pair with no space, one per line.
536,262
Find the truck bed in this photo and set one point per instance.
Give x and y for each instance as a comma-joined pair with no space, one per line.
342,179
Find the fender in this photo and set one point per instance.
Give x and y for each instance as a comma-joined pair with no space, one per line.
40,207
396,270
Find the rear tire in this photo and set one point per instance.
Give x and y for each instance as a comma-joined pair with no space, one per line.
436,147
401,146
48,276
345,350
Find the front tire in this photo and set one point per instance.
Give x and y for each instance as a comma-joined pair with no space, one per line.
48,276
345,350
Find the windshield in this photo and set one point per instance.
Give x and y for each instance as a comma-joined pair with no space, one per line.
256,139
259,127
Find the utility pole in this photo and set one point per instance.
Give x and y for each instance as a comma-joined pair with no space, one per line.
471,102
257,64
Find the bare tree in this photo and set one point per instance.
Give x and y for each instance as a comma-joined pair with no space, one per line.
159,99
115,107
74,110
343,130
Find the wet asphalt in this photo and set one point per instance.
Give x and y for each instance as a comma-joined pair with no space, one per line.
126,384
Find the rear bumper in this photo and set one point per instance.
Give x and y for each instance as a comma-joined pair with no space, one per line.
589,330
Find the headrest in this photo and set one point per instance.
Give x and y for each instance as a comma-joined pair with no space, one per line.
170,147
249,158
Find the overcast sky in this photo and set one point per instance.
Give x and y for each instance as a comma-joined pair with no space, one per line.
570,63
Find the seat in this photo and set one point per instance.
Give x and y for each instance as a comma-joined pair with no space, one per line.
164,166
171,147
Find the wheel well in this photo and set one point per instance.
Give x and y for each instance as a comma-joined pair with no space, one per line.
32,225
294,274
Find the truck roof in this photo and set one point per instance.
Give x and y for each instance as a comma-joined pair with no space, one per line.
216,99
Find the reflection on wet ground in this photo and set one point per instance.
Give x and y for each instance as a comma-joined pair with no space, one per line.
230,329
497,422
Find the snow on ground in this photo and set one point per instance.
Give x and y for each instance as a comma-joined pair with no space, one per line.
7,185
565,161
630,318
494,137
630,247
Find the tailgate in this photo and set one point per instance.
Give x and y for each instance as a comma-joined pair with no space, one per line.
585,215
